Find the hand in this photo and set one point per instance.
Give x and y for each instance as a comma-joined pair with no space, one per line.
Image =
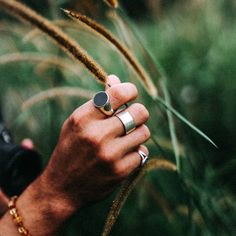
91,158
93,155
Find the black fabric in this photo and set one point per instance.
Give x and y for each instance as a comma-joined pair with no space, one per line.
18,168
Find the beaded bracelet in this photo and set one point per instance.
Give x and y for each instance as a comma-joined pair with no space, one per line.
16,217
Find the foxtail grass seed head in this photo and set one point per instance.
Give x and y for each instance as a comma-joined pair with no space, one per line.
155,164
64,24
56,92
47,59
68,44
127,187
112,3
100,30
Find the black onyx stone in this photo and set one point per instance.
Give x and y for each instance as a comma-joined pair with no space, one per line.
100,99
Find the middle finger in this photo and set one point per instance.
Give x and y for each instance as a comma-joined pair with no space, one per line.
116,128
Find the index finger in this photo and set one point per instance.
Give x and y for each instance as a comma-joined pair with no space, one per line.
112,80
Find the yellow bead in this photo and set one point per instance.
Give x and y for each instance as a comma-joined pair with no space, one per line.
22,230
13,212
12,202
18,220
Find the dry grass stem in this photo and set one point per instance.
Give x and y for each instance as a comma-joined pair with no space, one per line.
13,29
69,45
133,40
112,3
128,186
60,23
102,31
36,58
122,29
56,92
156,164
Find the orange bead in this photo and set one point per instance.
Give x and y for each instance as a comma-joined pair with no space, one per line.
18,220
23,231
13,212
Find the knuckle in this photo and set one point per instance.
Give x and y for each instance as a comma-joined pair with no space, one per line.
74,122
77,120
141,110
118,171
106,156
93,134
93,139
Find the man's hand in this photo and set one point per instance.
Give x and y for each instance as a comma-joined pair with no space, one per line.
93,155
91,158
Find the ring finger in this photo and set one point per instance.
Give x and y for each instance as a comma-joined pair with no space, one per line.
131,161
130,142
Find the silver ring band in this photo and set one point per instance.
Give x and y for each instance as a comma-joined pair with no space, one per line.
127,120
143,157
101,101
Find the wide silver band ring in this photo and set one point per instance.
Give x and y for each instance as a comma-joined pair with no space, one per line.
143,157
127,121
101,101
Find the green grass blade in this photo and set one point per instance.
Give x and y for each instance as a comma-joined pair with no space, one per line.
183,119
171,124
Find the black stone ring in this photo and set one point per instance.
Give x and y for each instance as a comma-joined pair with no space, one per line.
101,101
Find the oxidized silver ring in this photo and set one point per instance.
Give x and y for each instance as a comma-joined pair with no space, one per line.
127,120
101,101
143,157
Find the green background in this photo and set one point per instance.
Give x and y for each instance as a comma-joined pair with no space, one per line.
194,43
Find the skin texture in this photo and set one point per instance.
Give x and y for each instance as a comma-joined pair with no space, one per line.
91,158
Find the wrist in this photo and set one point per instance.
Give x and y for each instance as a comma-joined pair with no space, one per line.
42,212
38,205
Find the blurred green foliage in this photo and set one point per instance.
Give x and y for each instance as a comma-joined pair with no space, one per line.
195,43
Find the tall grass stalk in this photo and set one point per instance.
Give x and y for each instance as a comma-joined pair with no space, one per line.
182,118
159,73
69,45
37,58
171,124
122,29
65,24
128,186
100,30
56,92
156,73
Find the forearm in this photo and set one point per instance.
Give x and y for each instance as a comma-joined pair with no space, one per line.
42,213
